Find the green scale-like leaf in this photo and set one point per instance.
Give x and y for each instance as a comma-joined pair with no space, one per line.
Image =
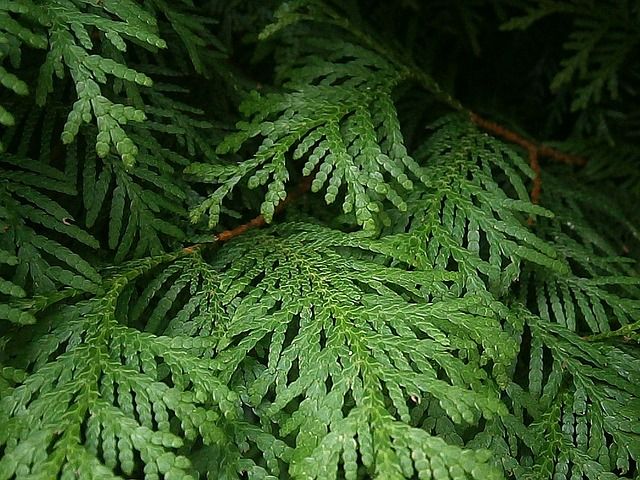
473,209
457,331
70,43
338,116
353,345
602,293
584,406
102,397
41,264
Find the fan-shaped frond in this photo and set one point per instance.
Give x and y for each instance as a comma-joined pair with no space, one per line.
339,118
584,406
38,262
602,292
101,397
601,41
339,351
418,315
471,212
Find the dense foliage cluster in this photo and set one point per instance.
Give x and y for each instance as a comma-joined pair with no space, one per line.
443,297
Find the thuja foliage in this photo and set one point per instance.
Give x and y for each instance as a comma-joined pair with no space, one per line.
319,239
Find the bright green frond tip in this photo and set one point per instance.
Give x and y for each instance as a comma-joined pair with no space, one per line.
371,356
338,121
120,405
373,350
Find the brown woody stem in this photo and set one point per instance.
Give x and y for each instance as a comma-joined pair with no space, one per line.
534,150
258,221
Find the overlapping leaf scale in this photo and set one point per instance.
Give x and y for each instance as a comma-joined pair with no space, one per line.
33,261
338,351
577,414
184,299
338,116
472,213
101,397
601,293
390,449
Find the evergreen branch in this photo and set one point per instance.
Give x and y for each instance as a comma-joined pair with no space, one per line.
601,294
42,264
534,151
425,328
626,333
463,216
259,221
320,11
120,403
600,42
352,141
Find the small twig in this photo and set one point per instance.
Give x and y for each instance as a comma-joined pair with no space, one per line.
259,221
536,189
625,333
561,157
513,137
256,222
534,150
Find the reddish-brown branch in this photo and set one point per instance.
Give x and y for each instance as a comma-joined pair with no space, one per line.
191,248
534,150
259,221
513,137
558,156
536,189
227,235
501,131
